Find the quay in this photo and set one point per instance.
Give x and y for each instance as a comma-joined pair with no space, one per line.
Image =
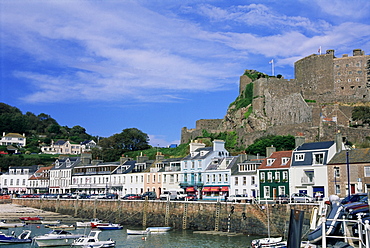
246,218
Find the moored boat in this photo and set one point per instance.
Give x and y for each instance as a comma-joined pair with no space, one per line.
50,222
137,232
35,218
268,242
160,229
110,227
92,240
56,238
4,224
63,227
24,237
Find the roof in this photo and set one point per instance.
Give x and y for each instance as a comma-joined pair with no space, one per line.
198,151
16,135
315,146
361,155
277,164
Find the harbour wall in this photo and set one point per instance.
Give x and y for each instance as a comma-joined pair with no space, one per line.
250,219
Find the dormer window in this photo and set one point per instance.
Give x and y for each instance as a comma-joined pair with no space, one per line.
299,157
270,161
318,158
57,164
284,161
68,163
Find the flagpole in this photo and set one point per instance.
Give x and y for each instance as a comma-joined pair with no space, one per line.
272,67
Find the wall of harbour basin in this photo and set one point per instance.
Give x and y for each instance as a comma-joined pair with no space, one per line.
244,218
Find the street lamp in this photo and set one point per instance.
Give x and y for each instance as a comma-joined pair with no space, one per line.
348,176
335,179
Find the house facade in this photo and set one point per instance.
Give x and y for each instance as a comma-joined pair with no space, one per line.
357,163
13,139
274,175
308,171
15,180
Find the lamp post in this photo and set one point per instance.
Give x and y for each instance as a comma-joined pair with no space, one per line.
335,180
348,176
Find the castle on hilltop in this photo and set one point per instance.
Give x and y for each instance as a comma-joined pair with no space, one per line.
316,104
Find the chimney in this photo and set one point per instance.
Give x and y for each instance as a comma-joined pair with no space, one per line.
195,145
269,150
218,145
338,142
159,156
299,140
86,158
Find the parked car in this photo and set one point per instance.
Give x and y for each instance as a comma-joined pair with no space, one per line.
111,196
132,197
97,196
151,195
301,197
192,197
354,198
234,198
282,199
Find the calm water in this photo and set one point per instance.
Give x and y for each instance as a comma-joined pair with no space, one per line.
171,239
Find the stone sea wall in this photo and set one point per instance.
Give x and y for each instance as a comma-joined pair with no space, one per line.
244,218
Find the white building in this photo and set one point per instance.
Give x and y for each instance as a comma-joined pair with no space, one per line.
14,139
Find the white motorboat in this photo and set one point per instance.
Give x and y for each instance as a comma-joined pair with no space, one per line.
92,240
159,229
268,242
87,223
50,222
4,224
56,238
137,232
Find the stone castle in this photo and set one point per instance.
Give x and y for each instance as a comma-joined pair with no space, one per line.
316,104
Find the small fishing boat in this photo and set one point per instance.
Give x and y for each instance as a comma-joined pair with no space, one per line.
50,222
92,240
4,224
88,223
268,243
63,227
158,229
24,237
110,227
95,225
137,232
35,218
56,238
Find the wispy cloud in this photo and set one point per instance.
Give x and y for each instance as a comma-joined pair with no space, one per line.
112,51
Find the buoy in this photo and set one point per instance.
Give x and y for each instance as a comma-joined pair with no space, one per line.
143,238
38,226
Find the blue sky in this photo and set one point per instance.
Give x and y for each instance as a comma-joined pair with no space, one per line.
158,65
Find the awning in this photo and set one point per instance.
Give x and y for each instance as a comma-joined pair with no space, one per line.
224,188
190,189
206,189
215,188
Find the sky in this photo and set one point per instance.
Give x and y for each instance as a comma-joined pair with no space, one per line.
156,65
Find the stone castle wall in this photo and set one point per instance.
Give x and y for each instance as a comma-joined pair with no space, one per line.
330,85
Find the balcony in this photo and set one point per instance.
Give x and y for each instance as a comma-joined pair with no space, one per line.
307,180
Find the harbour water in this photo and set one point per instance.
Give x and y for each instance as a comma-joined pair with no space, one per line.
173,239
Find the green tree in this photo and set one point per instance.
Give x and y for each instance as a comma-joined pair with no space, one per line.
361,113
282,143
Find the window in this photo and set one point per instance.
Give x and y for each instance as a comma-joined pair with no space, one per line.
236,180
336,172
281,190
269,176
367,171
285,176
318,158
185,164
244,180
337,189
299,157
266,191
226,178
214,178
284,161
208,178
253,180
219,178
270,161
262,176
277,176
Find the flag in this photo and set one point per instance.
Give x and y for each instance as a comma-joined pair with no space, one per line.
271,61
319,51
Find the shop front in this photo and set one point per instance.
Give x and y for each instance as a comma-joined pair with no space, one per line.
215,193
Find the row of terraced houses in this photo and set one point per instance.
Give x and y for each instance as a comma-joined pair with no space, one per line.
317,168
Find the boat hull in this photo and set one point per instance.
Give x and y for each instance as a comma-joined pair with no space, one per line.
158,229
55,242
137,232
